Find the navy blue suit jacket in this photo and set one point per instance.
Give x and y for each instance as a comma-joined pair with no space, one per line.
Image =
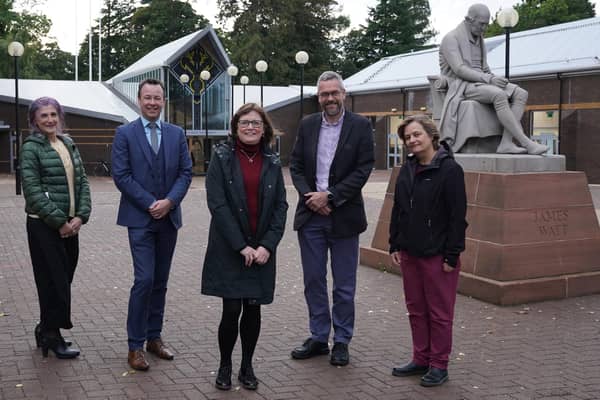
132,172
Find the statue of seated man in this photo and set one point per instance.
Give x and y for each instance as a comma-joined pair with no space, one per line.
463,63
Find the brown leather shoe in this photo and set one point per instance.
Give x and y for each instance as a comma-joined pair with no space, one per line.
157,347
137,360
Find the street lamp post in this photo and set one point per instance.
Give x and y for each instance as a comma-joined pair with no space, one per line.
184,79
261,68
232,70
507,18
301,59
205,76
15,50
244,81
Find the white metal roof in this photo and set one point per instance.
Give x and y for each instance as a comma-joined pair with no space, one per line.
89,98
94,99
274,96
558,48
394,72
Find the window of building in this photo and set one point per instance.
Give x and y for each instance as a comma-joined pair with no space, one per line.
395,146
544,129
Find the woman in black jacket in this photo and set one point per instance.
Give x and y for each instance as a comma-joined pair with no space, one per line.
246,197
427,235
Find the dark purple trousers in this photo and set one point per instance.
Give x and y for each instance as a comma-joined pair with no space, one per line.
430,296
315,244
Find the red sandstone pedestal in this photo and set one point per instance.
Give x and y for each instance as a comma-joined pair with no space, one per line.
531,237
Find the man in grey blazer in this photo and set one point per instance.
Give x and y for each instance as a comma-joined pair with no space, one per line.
152,169
330,163
463,61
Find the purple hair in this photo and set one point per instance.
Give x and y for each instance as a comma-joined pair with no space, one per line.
43,102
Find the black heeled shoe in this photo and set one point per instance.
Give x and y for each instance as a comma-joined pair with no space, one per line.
58,346
38,337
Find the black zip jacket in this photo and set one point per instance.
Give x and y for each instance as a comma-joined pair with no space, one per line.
428,216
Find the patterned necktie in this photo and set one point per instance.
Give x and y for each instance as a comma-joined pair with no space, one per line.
153,137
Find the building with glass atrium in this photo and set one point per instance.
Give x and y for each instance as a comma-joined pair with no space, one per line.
201,107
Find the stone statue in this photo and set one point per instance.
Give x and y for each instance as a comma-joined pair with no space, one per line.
464,69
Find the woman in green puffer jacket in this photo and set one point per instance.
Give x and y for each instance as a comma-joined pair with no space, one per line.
57,203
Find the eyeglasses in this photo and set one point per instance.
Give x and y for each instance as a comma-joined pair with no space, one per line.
244,123
325,95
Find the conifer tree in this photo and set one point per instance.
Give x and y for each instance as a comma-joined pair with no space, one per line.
539,13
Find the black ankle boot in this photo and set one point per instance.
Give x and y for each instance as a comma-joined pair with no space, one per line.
223,381
38,337
57,344
247,378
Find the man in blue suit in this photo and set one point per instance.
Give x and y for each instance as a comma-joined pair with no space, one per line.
152,169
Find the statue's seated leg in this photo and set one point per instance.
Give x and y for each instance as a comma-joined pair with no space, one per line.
512,128
507,146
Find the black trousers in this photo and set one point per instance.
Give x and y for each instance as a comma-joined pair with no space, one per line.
54,260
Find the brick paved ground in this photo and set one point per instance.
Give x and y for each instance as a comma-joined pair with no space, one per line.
548,350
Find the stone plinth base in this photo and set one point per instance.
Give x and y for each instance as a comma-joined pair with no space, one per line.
511,163
531,237
377,258
528,290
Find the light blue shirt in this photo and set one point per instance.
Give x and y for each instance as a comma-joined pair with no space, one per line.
328,141
145,123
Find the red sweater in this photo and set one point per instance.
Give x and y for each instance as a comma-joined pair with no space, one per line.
251,160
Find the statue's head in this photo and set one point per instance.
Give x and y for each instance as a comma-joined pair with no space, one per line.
478,19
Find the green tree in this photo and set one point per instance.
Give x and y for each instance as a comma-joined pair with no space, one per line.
275,30
118,50
116,46
163,21
129,33
355,52
538,13
42,58
393,27
7,16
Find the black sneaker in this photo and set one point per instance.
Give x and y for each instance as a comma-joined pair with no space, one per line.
339,354
435,377
247,378
223,381
410,369
310,348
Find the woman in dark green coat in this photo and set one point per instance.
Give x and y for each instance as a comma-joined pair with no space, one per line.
57,203
246,198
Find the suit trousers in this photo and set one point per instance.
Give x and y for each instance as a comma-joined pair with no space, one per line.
152,250
430,294
54,260
315,242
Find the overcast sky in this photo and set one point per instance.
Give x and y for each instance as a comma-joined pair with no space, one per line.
71,18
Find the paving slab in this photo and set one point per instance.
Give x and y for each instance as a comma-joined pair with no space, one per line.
547,350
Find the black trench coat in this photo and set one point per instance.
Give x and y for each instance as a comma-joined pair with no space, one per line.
224,274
